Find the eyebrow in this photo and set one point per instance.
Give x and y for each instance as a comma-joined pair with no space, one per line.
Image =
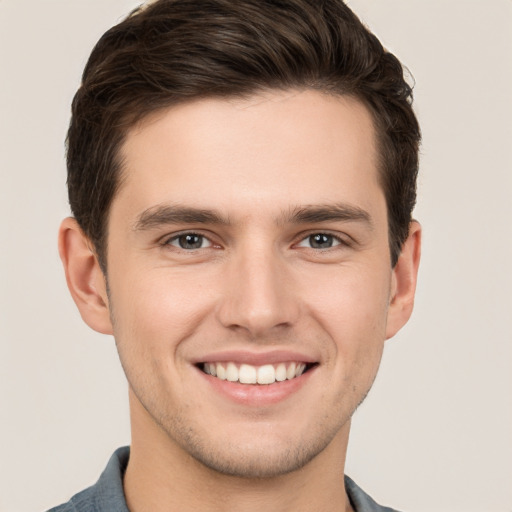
329,213
174,214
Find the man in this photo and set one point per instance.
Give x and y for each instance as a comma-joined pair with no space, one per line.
242,176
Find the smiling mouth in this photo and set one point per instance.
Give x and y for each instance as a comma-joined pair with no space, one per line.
249,374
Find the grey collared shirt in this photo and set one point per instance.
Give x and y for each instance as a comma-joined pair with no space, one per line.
107,495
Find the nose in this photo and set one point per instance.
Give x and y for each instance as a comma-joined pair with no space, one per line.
258,294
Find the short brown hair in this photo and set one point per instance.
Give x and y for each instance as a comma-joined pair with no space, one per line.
173,51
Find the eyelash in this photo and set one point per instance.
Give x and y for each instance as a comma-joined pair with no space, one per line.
337,240
176,238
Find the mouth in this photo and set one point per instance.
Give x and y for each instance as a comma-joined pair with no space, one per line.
260,375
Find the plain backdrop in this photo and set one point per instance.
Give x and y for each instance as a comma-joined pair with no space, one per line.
435,434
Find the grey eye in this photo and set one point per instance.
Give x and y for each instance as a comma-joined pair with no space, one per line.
190,241
319,241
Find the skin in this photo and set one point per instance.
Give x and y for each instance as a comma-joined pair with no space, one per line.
255,285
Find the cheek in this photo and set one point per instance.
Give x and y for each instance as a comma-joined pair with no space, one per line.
152,315
157,310
351,307
353,302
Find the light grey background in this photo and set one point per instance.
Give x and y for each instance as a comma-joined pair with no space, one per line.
435,433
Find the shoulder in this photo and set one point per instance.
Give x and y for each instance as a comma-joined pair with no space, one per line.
106,495
67,507
81,502
362,502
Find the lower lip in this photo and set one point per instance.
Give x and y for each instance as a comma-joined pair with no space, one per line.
258,394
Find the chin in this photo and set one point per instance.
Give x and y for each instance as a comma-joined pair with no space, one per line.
260,456
259,464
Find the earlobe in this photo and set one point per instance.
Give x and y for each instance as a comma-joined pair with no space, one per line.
404,279
84,276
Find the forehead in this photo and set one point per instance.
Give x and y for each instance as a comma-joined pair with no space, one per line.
273,148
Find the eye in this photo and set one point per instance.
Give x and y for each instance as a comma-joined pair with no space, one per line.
189,241
320,241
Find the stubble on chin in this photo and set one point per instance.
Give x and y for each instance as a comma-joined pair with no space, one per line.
250,460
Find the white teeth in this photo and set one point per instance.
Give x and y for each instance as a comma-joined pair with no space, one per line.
300,369
221,371
232,372
290,372
266,374
248,374
281,372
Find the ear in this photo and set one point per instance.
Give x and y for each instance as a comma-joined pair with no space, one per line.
403,281
84,276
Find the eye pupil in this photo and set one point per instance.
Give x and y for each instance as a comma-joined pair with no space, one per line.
190,241
321,241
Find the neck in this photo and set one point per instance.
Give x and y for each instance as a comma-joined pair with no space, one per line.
162,477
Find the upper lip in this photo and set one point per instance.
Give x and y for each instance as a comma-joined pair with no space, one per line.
255,358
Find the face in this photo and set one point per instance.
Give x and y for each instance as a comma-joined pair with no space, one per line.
249,276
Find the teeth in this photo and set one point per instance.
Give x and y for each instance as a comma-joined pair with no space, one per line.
232,372
266,374
290,371
248,374
281,372
221,371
